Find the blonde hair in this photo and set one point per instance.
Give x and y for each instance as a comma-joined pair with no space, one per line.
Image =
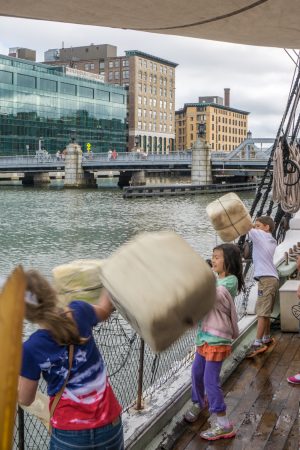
47,312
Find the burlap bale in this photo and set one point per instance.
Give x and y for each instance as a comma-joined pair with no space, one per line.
160,285
229,217
80,279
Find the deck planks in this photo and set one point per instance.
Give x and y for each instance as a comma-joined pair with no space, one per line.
260,402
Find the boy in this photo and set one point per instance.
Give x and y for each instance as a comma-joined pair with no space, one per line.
265,273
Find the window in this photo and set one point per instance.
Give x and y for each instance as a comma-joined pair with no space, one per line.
26,81
139,100
110,64
86,92
155,67
117,75
154,102
145,101
110,76
165,104
160,103
139,125
6,77
117,98
92,66
102,65
86,67
139,112
117,63
103,95
125,63
48,85
125,74
171,106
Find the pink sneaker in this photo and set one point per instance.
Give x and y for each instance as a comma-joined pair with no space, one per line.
294,379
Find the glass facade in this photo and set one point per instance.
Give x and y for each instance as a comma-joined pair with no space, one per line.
39,102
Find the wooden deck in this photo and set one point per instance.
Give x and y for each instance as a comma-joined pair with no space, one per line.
261,404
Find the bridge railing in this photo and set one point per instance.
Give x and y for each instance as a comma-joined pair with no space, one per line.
28,160
136,156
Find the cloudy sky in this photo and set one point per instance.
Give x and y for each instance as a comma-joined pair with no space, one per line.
259,78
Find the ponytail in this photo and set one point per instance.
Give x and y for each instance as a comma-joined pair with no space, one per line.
44,310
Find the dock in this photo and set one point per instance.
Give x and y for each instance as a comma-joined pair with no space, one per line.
171,190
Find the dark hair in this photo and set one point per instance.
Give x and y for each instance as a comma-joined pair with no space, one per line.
266,220
59,323
233,262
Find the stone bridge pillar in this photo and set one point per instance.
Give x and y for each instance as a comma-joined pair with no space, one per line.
41,179
201,164
138,178
75,176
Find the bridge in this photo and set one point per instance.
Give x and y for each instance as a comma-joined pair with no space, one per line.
250,156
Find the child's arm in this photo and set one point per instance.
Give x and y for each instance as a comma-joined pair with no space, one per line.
26,391
105,307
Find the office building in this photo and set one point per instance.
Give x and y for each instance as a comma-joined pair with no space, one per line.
226,127
48,103
150,81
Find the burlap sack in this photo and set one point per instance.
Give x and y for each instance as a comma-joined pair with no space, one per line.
40,408
229,217
80,279
160,285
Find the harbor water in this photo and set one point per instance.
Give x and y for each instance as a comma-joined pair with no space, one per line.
42,228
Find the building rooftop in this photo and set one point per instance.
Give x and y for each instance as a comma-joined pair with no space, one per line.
148,56
215,105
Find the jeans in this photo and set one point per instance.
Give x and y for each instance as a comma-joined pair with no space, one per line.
206,379
109,437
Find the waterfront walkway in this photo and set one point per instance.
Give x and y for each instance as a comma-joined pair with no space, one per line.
260,402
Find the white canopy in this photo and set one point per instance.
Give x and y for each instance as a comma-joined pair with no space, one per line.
274,23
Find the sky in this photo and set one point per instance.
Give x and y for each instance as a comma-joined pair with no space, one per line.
259,77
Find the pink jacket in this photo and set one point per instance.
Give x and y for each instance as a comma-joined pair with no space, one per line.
222,319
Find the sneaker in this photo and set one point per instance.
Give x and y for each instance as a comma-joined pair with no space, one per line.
294,379
268,341
193,414
256,350
218,432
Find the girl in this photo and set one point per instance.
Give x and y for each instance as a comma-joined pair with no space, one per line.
213,341
85,412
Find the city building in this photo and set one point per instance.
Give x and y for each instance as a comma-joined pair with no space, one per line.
90,58
226,127
22,53
150,81
50,104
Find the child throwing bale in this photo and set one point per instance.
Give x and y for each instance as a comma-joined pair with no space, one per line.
214,338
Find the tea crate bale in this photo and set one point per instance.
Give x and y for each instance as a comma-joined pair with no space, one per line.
160,285
80,279
229,217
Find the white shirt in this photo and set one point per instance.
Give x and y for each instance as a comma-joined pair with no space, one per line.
264,246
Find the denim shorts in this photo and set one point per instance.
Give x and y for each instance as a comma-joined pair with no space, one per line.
109,437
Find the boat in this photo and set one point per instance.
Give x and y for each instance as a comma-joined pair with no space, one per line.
154,420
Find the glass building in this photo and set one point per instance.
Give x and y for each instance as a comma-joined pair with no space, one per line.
43,106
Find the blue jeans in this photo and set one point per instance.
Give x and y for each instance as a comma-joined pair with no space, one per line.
109,437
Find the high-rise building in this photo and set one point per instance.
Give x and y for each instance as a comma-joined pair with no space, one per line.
49,104
150,81
226,127
151,84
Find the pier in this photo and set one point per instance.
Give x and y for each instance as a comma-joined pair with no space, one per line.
184,189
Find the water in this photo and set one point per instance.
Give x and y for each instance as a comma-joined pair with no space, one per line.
42,228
